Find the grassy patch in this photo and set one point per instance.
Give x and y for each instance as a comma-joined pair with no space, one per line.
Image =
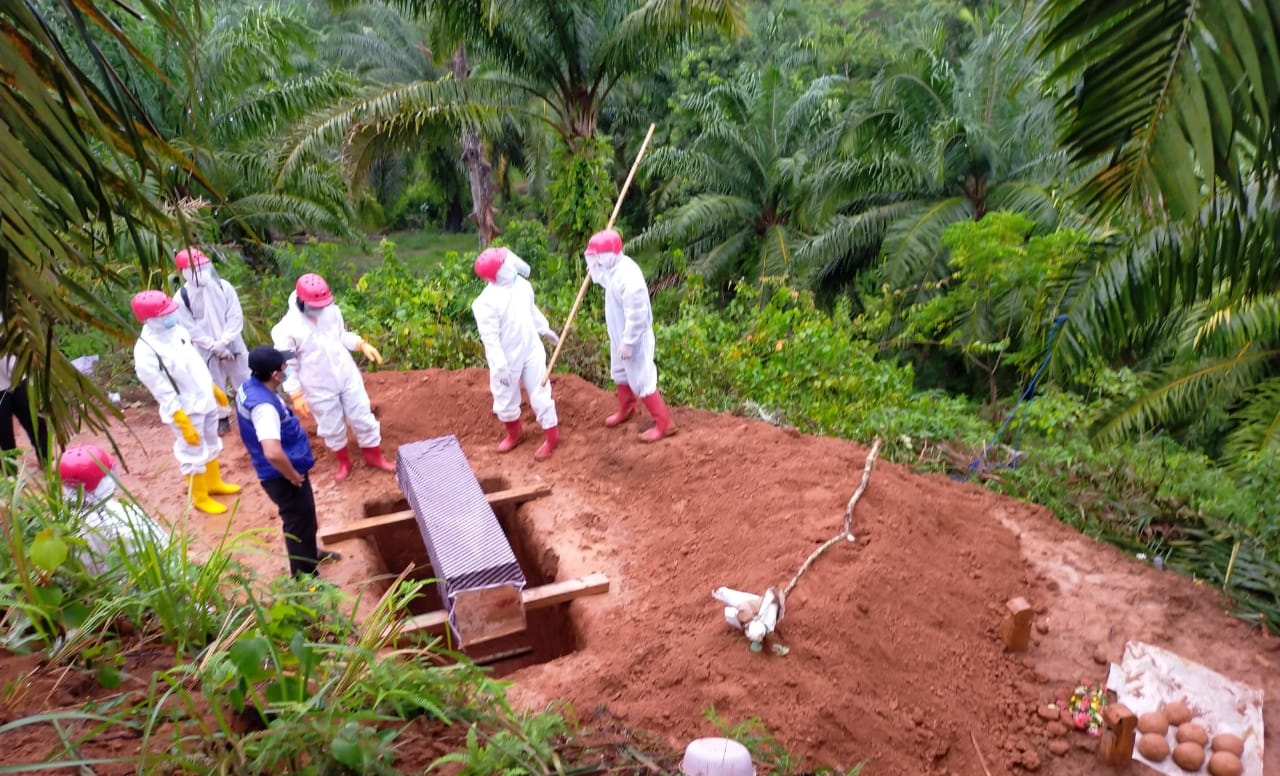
421,250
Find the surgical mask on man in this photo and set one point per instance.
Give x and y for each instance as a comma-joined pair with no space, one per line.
200,275
312,312
169,321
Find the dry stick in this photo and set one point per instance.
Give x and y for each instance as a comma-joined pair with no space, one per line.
586,281
981,760
848,520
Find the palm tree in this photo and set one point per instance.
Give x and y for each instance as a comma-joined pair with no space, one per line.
555,62
1181,133
935,143
742,181
84,170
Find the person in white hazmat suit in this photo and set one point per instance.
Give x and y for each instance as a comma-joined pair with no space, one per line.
323,379
108,526
510,325
171,368
629,319
210,310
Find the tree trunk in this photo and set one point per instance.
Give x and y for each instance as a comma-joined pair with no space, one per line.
479,171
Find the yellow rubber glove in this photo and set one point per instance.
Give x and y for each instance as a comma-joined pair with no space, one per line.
189,433
370,352
300,407
219,396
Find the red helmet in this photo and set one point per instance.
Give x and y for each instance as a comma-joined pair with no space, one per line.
188,256
85,465
313,290
489,262
150,304
607,241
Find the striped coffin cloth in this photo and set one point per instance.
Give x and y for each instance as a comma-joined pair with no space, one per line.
467,547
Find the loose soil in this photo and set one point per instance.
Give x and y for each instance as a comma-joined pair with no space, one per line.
895,656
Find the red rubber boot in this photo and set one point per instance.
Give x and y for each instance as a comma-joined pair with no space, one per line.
344,464
626,406
374,460
548,444
662,424
515,435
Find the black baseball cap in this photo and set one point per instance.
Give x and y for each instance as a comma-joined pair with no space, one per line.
264,360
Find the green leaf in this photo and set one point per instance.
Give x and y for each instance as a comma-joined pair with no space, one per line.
249,656
48,551
109,677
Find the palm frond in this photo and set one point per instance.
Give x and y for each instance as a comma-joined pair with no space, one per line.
1160,92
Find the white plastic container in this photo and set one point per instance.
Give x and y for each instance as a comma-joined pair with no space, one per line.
716,757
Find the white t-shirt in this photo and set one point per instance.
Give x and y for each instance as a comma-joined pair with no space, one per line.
266,421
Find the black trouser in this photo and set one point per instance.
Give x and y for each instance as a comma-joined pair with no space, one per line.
298,513
17,402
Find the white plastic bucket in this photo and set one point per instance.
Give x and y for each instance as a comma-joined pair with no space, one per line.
716,757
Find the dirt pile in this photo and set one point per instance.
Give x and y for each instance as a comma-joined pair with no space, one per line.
894,649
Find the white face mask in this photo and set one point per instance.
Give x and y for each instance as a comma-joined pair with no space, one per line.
105,490
163,324
199,274
506,275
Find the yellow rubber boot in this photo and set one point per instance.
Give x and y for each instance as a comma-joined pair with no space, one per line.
213,479
200,496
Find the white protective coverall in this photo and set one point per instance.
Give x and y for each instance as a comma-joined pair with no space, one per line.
324,370
511,327
109,526
629,319
209,308
172,369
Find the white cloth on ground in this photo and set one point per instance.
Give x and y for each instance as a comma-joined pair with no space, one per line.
110,527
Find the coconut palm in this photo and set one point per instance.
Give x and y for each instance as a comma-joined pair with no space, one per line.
83,171
742,181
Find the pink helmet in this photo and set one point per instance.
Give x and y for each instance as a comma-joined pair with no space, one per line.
313,290
188,256
607,241
489,262
85,465
150,304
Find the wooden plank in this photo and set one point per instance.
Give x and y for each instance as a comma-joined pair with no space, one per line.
534,598
543,596
367,525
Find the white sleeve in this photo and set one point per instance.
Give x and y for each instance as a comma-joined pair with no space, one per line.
280,340
147,363
487,320
266,422
233,326
635,311
540,322
350,340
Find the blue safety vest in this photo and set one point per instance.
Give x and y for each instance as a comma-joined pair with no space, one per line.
292,436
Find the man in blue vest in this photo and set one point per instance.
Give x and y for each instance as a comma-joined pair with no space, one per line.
281,455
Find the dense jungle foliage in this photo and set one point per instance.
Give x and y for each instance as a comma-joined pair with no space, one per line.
1000,235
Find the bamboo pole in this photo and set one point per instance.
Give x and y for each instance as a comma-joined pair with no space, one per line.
586,281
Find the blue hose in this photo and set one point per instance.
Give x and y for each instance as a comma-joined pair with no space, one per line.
980,464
